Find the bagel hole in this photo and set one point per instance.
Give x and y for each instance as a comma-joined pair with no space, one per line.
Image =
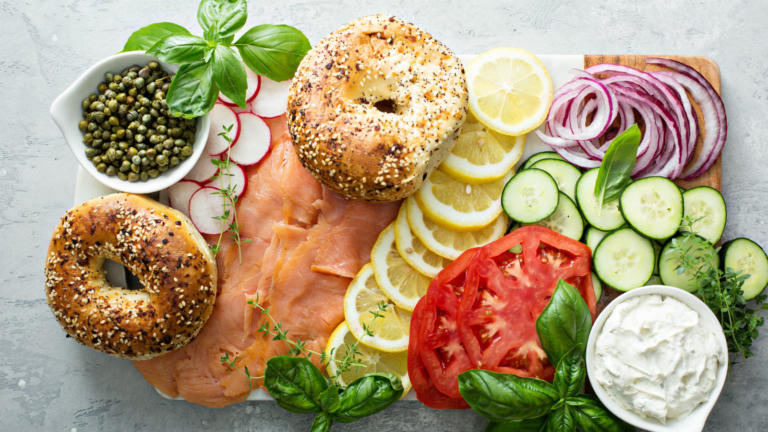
120,277
386,105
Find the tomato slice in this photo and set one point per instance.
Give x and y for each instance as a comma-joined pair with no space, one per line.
516,276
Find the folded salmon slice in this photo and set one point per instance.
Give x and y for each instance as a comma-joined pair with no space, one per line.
303,243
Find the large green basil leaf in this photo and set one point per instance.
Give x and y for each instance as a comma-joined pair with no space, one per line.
571,372
329,399
145,37
192,92
505,397
590,416
367,395
220,19
274,51
564,323
561,420
179,49
529,425
295,383
229,74
322,423
615,171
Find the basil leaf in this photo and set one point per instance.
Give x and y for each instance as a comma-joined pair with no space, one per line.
329,399
274,51
616,169
322,423
561,420
220,19
145,37
571,372
295,383
505,397
564,323
192,92
367,395
592,417
529,425
229,74
179,49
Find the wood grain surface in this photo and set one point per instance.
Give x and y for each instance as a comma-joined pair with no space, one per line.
711,71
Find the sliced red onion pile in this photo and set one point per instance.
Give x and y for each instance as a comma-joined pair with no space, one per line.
588,111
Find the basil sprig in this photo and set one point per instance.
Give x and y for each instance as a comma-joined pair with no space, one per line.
298,386
210,64
615,171
520,404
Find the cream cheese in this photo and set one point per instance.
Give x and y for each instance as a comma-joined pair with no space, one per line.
656,357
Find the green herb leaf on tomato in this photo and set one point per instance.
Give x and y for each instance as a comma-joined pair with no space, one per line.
564,323
367,395
295,383
229,75
571,373
220,19
145,37
179,49
192,92
615,171
274,51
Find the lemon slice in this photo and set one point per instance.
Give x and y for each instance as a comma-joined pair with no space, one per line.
458,205
413,250
361,305
482,155
395,277
510,90
445,242
368,360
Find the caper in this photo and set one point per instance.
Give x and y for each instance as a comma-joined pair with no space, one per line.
161,160
176,150
86,103
151,153
141,129
111,171
151,87
120,97
154,113
153,65
132,115
153,173
132,91
146,118
125,166
113,104
154,139
119,154
111,154
174,161
91,152
114,86
144,72
138,138
108,76
129,134
133,177
161,120
92,126
135,167
83,125
117,78
127,81
139,82
163,168
143,176
122,176
105,135
96,160
132,152
113,121
166,86
136,160
102,87
101,167
186,151
120,133
168,144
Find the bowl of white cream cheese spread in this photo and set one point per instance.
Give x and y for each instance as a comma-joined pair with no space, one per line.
657,358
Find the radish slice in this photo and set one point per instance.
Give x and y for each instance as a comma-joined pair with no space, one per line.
205,209
272,98
235,179
254,83
180,193
221,116
203,170
254,140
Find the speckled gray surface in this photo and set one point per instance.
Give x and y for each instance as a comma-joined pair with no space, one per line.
48,382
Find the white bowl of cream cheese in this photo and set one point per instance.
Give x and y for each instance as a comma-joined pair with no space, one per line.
657,358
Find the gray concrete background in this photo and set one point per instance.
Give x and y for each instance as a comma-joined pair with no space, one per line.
50,383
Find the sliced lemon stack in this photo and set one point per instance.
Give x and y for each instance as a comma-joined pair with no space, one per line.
396,278
510,90
413,250
368,360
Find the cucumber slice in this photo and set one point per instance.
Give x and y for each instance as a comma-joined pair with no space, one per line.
566,175
748,257
593,237
540,156
653,206
605,218
704,210
624,259
597,286
669,260
530,196
566,219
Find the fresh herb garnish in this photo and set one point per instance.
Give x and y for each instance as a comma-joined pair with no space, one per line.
209,64
513,403
721,291
616,169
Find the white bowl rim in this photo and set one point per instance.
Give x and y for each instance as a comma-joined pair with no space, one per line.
693,421
70,99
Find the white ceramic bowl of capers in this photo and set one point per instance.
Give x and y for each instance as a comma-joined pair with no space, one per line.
159,163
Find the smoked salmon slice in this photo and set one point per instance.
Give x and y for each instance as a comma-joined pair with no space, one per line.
302,245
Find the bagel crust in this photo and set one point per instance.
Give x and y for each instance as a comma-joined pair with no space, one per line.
160,246
375,107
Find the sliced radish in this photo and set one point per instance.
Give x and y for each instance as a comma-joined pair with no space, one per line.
180,193
254,140
235,179
272,98
254,84
205,209
221,116
203,170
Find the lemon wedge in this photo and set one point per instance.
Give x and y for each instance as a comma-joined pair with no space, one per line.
448,243
461,206
367,360
389,328
482,155
400,282
413,250
510,90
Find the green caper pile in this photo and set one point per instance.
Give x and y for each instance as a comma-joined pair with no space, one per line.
127,128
